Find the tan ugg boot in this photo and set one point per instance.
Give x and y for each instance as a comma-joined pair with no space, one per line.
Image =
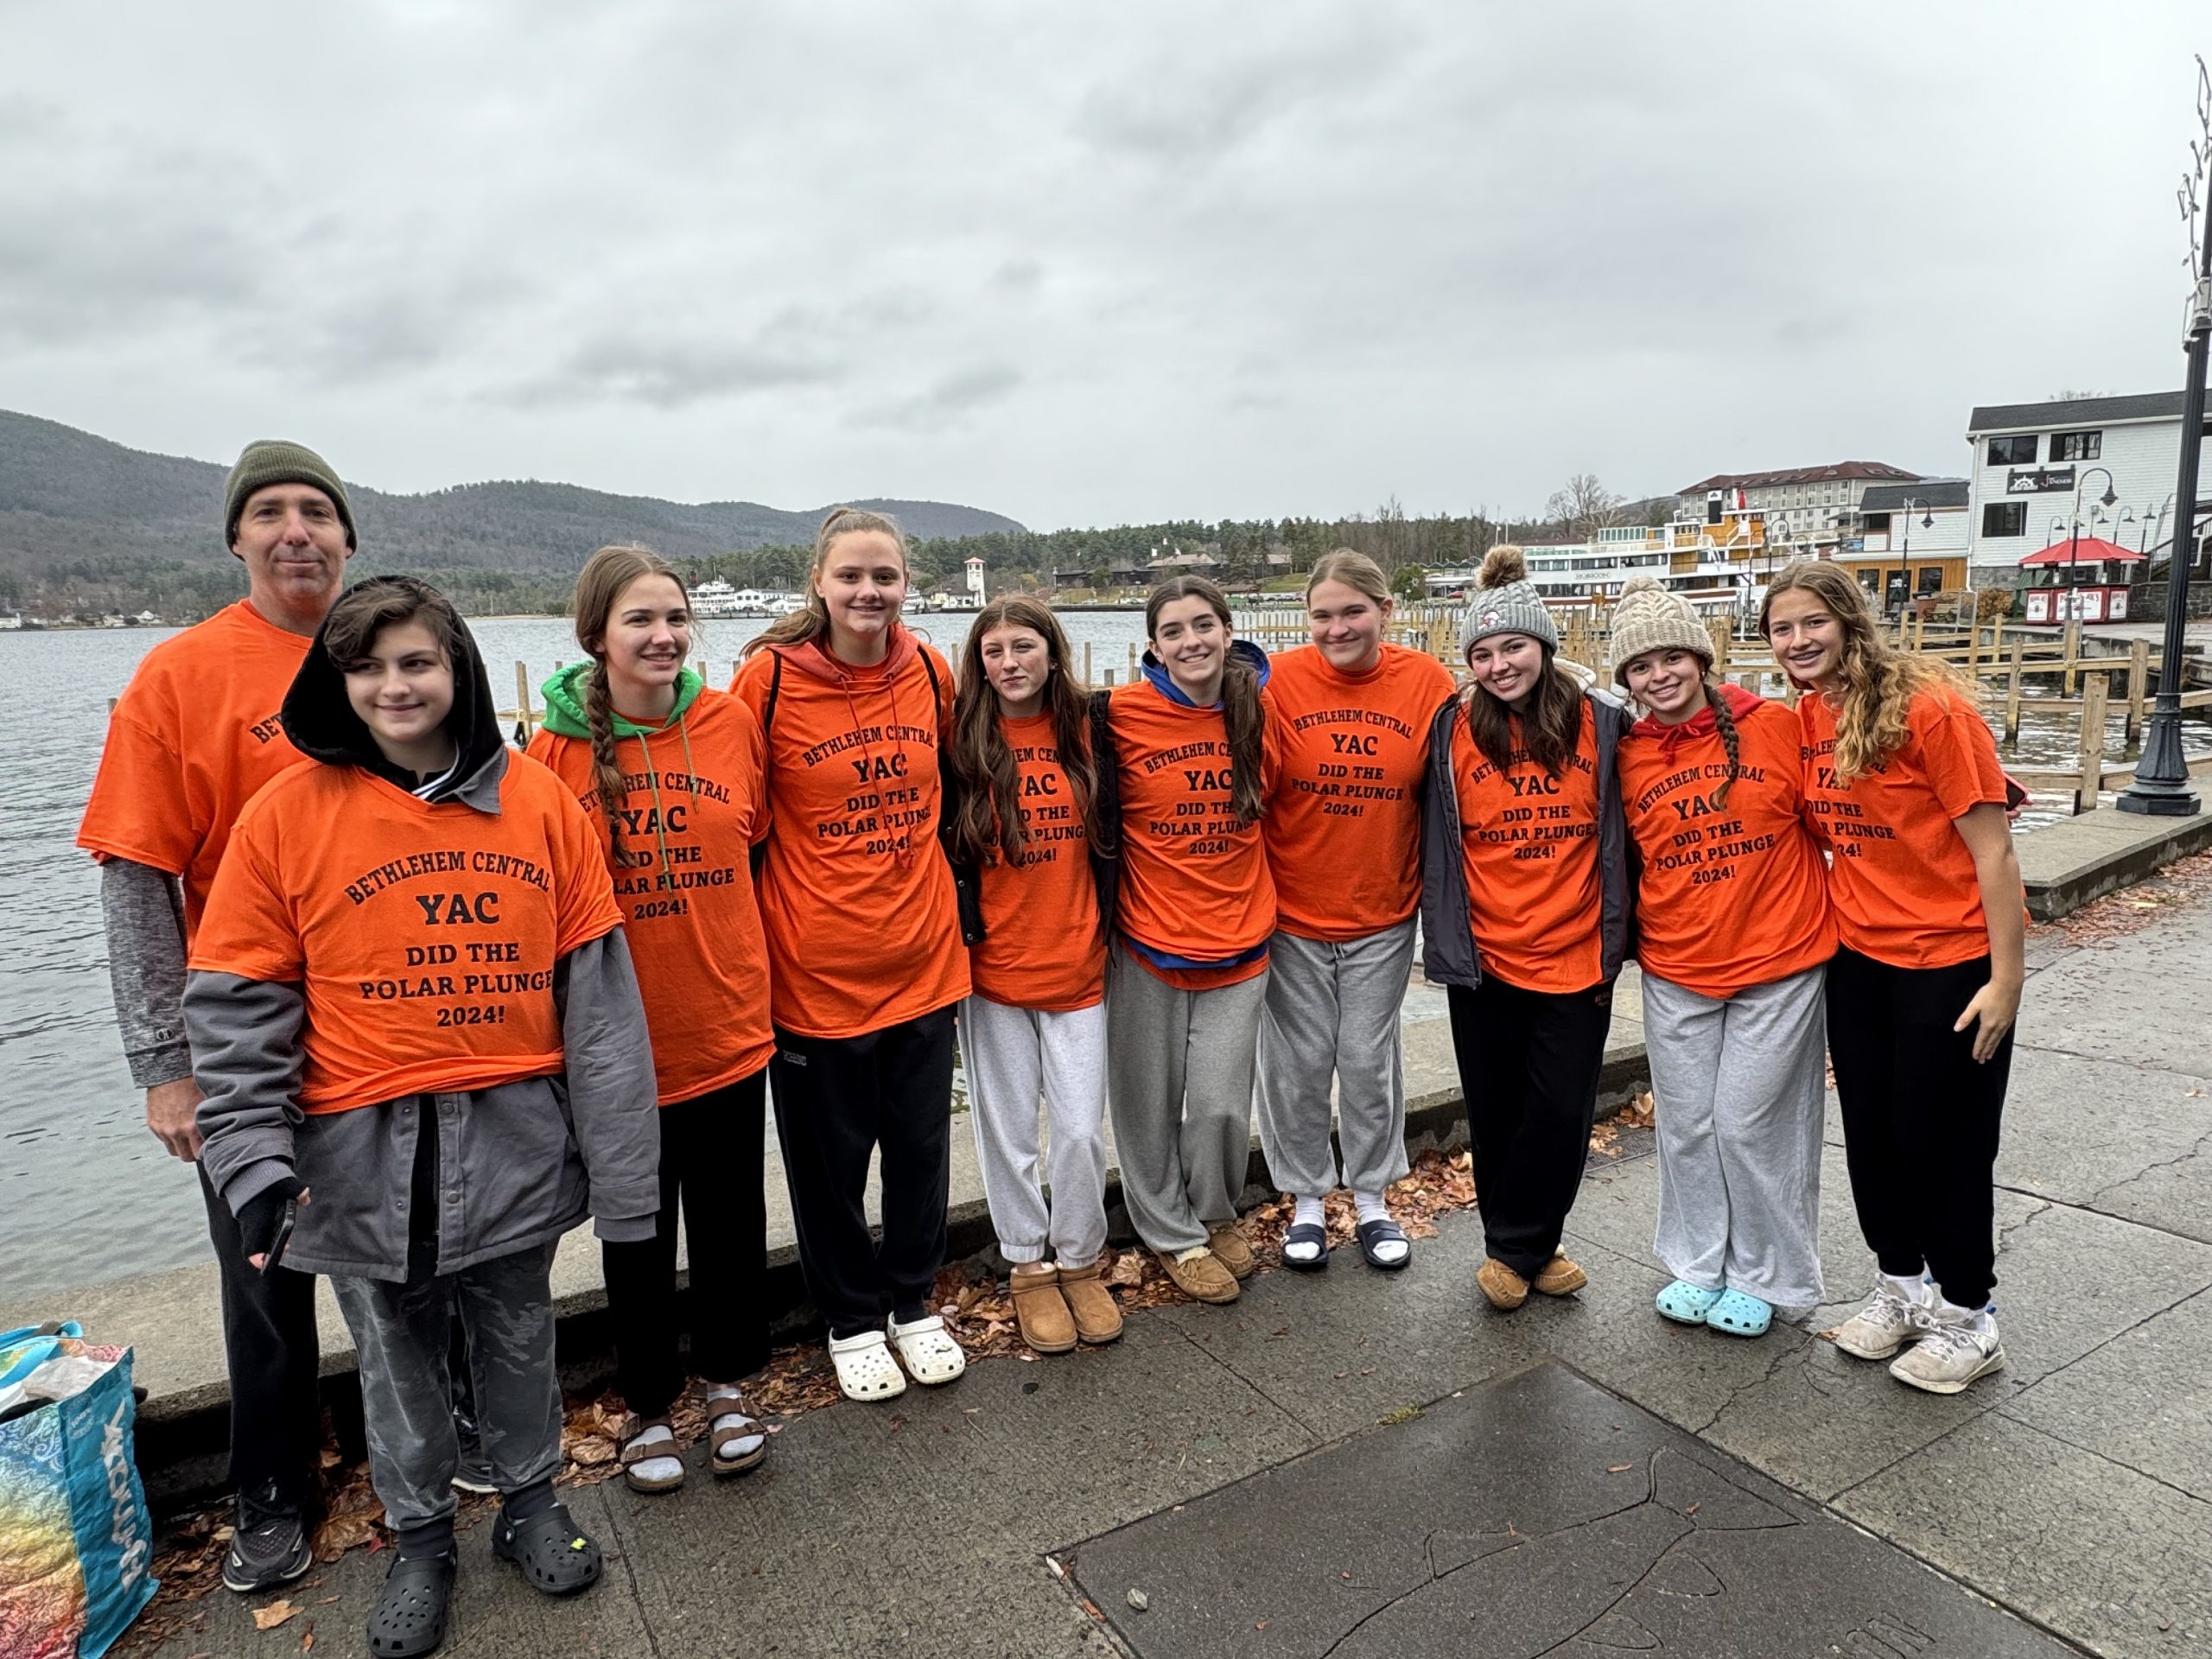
1201,1277
1040,1311
1559,1277
1097,1316
1505,1288
1236,1254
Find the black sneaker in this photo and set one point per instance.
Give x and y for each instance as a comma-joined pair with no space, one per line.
269,1545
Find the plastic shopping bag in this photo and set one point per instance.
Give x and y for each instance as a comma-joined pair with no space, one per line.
76,1542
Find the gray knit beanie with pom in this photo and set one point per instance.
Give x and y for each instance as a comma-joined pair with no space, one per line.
1648,618
1505,601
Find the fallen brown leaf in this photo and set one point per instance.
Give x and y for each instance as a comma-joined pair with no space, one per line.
269,1617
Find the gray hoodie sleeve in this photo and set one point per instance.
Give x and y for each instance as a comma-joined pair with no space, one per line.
144,915
245,1047
609,1061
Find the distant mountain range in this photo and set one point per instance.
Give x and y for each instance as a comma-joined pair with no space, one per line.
88,521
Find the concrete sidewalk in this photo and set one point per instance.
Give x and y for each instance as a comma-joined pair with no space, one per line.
2073,1489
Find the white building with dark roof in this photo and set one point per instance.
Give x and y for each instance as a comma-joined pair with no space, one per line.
1807,503
2029,460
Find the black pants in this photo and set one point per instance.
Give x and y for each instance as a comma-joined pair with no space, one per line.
275,1359
1920,1118
1529,1064
710,1161
837,1098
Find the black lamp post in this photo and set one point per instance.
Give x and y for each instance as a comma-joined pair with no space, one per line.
2161,784
2074,547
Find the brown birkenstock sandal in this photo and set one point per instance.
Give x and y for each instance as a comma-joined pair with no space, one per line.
634,1451
735,1441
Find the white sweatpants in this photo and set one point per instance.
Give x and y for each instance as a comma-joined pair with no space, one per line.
1332,1016
1738,1086
1011,1056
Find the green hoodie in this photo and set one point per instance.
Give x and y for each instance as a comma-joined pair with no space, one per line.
564,704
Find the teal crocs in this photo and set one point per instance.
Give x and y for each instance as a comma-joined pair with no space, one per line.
1684,1303
1739,1315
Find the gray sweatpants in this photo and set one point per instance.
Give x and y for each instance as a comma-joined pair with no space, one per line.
1738,1086
1178,1067
403,1334
1332,1013
1011,1056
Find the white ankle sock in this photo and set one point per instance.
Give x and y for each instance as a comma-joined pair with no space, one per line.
1914,1289
1982,1319
1371,1208
1307,1209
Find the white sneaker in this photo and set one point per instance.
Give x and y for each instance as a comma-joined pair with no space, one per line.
1887,1322
1949,1356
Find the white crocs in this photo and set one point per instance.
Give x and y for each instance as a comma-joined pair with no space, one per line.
928,1351
865,1368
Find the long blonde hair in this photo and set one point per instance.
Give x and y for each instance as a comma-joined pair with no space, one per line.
1878,683
599,584
813,622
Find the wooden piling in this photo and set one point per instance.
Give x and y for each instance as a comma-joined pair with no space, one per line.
1086,662
2013,694
2071,651
2094,689
525,718
2138,688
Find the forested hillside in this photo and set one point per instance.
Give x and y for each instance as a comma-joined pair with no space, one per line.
87,525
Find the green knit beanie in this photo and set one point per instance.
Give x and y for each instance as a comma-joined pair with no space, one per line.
272,461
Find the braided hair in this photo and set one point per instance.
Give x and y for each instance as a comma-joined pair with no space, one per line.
1730,739
599,584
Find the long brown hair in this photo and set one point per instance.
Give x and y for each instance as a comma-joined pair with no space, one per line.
813,621
1241,714
1878,683
988,826
598,585
1355,571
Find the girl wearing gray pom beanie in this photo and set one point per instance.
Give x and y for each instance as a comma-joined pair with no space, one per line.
1733,936
1525,906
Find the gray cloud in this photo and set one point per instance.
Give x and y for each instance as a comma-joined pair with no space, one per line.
1082,267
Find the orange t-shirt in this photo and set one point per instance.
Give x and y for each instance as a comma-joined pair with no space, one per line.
1732,896
693,799
425,935
1042,948
856,898
1194,881
1344,827
1902,881
1529,843
192,738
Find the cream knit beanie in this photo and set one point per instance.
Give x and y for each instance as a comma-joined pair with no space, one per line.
1648,618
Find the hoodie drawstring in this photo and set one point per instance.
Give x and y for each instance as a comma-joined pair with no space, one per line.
652,782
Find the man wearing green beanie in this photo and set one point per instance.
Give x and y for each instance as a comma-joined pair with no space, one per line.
190,739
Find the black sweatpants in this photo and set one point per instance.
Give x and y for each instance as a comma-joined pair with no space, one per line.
275,1360
838,1098
710,1162
1529,1064
1920,1118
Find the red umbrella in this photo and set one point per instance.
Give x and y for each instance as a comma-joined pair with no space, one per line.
2090,549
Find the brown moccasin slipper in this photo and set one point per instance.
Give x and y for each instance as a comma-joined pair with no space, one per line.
1203,1278
1236,1254
1505,1288
1559,1277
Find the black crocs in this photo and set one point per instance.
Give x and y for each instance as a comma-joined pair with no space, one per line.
410,1616
553,1554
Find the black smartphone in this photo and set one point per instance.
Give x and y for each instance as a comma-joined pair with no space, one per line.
285,1217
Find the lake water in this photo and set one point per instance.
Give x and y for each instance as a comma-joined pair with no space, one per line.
86,1194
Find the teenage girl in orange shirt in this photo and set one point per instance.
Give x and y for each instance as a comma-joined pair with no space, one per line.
1733,933
669,771
1026,821
865,954
1525,910
1351,712
1903,782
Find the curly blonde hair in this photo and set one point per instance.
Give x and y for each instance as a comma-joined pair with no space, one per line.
1874,702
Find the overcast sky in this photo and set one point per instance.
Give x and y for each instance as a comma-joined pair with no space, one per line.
1085,264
